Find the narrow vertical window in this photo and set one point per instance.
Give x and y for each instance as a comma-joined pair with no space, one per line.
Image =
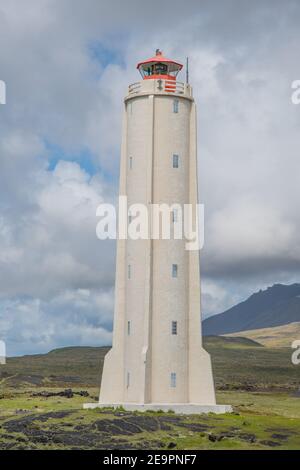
173,379
129,218
174,270
174,327
130,163
128,379
175,161
128,328
175,106
129,271
174,216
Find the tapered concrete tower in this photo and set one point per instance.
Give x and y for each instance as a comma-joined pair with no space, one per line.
157,360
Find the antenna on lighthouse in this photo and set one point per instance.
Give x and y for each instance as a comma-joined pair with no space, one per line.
187,70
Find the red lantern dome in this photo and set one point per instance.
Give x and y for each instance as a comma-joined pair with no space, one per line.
159,67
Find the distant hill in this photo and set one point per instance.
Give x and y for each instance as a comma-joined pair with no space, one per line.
238,363
276,337
65,367
275,306
78,366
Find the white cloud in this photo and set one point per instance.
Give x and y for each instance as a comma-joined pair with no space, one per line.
32,326
54,246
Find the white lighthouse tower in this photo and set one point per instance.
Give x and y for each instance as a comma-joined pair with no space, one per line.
157,360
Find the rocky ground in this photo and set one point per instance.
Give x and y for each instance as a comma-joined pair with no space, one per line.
46,421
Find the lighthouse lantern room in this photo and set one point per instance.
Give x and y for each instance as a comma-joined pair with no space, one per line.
159,67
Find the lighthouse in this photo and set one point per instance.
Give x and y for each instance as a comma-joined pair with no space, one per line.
157,361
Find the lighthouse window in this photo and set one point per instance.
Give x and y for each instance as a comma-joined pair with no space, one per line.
160,69
173,379
175,161
130,163
174,270
175,106
128,328
129,271
175,216
174,327
128,379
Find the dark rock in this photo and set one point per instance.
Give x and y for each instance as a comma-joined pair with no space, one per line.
282,437
195,427
270,443
172,445
20,425
225,435
128,425
68,393
248,437
116,427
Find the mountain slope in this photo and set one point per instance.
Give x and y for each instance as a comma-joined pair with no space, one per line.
275,306
275,337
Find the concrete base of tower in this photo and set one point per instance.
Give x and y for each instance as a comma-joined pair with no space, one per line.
178,408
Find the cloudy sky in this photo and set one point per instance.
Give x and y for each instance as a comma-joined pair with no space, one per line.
66,64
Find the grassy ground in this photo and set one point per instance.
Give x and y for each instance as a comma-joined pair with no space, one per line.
261,420
242,364
259,382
